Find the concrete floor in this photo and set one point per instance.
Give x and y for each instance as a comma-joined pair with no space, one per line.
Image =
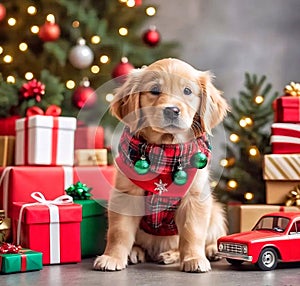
153,274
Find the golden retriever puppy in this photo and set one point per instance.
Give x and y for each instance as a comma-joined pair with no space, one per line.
161,208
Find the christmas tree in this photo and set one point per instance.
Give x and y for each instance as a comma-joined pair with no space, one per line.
248,126
67,45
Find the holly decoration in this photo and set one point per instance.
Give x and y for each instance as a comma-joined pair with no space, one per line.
84,95
32,89
81,56
151,37
122,69
8,248
79,191
2,12
49,32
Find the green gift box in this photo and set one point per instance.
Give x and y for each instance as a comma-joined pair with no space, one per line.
93,227
26,260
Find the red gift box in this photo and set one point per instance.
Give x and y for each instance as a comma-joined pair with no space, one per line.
287,109
285,138
89,137
18,182
100,178
52,228
7,125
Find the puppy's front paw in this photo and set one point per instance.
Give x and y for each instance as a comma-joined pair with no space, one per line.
136,255
108,263
200,264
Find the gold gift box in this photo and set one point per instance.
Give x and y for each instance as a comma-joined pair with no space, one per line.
244,217
277,191
91,157
5,227
7,150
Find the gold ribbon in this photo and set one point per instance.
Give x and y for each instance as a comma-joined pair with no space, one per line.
292,89
98,158
93,158
293,198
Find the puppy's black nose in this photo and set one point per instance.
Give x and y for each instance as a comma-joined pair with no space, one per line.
171,112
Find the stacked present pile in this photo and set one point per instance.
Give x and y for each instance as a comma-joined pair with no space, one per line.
281,169
47,208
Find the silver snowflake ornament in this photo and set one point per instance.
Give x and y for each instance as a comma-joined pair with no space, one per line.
160,187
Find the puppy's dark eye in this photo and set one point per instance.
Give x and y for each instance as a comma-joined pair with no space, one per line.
187,91
155,90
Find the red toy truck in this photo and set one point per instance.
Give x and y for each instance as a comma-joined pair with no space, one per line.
275,237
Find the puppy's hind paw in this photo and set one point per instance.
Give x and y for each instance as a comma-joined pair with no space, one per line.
211,252
196,265
108,263
137,255
168,257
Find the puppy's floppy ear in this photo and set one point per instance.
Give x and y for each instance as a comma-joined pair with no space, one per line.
213,106
126,103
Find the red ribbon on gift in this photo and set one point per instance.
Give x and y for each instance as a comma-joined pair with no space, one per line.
52,110
8,248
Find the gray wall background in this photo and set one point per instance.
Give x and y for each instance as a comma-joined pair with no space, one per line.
231,37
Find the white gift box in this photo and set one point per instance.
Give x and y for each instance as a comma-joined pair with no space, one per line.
45,140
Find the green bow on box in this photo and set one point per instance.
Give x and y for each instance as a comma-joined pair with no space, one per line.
79,191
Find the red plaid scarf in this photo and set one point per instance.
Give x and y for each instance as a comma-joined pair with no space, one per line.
162,195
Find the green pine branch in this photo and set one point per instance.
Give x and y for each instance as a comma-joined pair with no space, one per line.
247,170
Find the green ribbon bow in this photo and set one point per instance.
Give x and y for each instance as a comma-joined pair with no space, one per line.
79,191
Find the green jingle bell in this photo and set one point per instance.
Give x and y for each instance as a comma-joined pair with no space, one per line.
180,177
142,166
199,160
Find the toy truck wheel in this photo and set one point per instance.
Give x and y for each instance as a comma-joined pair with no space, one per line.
268,259
234,262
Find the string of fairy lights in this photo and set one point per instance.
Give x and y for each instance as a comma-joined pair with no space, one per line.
253,152
7,58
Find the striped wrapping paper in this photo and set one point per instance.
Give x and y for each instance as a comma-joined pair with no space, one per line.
281,167
285,138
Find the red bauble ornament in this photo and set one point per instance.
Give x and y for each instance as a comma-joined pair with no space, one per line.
151,37
49,32
122,69
84,95
32,89
2,12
